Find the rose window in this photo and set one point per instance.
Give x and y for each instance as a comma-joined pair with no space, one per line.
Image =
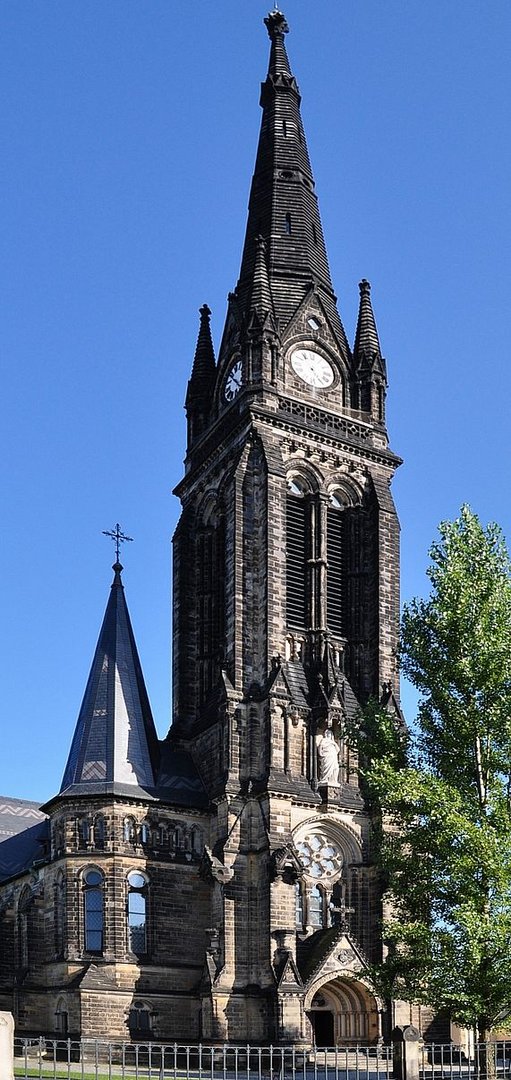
320,858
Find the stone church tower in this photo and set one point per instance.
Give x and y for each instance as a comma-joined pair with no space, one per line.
219,885
286,564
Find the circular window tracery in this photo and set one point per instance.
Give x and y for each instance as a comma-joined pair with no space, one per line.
321,858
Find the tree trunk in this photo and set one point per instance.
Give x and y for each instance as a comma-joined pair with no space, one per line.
485,1050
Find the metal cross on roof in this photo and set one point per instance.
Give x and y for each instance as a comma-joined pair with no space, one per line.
118,536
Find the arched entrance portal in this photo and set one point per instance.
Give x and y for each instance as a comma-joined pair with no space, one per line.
343,1012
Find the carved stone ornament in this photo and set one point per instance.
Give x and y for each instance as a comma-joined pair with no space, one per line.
212,870
285,865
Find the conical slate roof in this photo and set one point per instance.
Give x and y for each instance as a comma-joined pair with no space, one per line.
115,745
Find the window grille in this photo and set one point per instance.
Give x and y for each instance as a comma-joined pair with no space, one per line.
93,910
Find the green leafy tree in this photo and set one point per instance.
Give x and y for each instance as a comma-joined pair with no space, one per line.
445,803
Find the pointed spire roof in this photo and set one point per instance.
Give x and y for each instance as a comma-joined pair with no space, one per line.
283,207
204,364
115,745
367,343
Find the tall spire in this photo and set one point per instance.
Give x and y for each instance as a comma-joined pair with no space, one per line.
115,745
283,207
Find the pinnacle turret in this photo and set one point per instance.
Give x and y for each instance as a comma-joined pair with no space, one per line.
203,369
369,365
367,344
198,394
261,300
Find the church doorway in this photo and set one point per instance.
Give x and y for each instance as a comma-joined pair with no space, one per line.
343,1012
322,1021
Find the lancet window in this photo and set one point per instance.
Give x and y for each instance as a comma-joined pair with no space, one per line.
99,831
138,885
316,907
94,910
211,587
25,902
299,906
317,558
298,530
59,913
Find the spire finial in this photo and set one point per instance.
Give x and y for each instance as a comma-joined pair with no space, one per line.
276,23
116,534
365,287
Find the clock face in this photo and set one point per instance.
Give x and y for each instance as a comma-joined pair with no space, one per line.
233,381
312,368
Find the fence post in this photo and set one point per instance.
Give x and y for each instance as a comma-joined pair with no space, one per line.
406,1052
6,1046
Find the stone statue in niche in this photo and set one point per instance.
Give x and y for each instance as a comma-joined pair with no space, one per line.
328,759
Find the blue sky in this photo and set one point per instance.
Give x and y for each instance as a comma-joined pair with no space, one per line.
129,132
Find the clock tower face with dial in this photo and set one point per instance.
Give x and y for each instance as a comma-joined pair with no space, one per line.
233,381
312,368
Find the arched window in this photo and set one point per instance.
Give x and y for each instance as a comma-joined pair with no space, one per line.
287,225
144,833
210,599
84,832
140,1020
299,913
297,552
61,1019
129,830
99,831
58,838
93,910
137,913
25,902
316,907
59,913
196,841
336,559
177,837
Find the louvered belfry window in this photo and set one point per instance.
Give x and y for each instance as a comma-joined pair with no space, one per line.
336,573
296,555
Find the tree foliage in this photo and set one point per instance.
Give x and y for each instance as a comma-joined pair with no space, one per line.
446,810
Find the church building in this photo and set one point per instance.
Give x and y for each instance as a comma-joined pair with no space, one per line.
219,884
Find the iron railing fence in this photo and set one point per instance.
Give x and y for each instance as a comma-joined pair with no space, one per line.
476,1061
67,1059
88,1059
